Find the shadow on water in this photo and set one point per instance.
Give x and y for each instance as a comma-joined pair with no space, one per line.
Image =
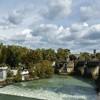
73,90
87,80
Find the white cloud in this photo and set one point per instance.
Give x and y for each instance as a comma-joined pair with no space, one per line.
53,36
58,9
50,33
79,27
24,36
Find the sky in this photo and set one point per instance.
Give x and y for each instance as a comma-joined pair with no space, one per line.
71,24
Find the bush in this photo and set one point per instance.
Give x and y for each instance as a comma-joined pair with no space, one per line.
37,68
30,68
9,73
32,73
18,77
46,69
43,70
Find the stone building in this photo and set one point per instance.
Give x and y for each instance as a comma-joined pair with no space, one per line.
3,73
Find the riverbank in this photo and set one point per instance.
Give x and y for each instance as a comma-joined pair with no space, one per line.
11,97
9,81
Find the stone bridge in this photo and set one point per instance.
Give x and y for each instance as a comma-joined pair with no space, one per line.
88,68
64,67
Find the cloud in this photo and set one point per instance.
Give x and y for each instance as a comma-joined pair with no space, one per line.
58,9
25,38
78,27
5,25
62,24
20,18
15,18
50,33
77,36
86,13
91,11
72,37
94,32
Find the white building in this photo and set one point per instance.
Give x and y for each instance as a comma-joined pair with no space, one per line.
3,73
23,73
14,72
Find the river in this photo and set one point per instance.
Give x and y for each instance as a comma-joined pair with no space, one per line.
56,88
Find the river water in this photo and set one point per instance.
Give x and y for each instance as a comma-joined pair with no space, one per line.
55,88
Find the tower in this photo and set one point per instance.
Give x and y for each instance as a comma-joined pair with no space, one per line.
94,51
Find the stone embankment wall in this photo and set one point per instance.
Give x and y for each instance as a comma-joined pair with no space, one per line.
70,67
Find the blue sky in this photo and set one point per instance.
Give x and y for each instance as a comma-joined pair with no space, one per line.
72,24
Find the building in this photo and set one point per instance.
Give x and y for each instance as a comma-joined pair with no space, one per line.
24,74
3,73
14,72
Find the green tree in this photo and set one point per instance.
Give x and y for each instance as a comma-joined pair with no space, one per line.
72,57
98,55
37,56
42,70
18,77
37,68
31,70
12,57
34,56
63,53
85,56
3,51
46,69
49,54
